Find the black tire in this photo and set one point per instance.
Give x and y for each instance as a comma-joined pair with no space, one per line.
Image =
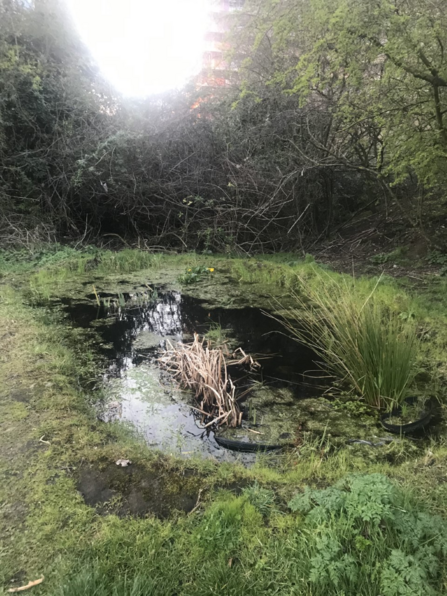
244,447
411,427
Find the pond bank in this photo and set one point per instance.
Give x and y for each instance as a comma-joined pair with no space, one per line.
51,443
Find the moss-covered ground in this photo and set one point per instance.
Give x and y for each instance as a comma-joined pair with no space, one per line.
171,527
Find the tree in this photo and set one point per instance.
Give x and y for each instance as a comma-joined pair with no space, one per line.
52,102
377,69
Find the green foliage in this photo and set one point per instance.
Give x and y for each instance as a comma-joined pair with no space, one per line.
216,334
377,68
193,275
46,107
138,299
379,259
365,535
353,407
126,261
364,532
393,256
263,499
43,256
435,257
361,536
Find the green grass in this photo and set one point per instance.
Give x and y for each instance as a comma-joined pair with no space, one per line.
364,536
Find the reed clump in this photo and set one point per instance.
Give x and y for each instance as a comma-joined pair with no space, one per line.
360,341
204,369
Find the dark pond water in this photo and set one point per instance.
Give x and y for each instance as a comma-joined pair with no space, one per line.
140,393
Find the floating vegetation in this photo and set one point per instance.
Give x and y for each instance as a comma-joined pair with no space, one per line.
140,299
205,371
195,274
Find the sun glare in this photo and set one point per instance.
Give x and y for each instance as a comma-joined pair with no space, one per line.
143,46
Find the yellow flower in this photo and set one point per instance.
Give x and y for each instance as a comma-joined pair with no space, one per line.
189,270
211,269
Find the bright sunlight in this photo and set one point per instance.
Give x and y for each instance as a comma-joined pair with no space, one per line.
143,46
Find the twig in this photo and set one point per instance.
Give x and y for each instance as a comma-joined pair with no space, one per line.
197,503
28,585
254,431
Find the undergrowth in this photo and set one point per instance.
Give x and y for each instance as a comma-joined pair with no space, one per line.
361,341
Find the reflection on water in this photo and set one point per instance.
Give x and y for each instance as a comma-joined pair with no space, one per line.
161,414
141,394
135,331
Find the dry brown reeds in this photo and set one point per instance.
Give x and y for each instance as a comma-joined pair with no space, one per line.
204,370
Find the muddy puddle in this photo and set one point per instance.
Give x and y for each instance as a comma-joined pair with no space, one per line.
286,393
137,491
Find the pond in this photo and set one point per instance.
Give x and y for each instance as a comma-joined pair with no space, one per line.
285,395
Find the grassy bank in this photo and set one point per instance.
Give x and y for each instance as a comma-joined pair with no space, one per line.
248,531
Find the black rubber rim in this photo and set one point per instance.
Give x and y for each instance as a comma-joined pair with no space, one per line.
246,447
399,429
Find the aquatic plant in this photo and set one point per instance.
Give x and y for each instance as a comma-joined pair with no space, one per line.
362,342
194,274
138,299
216,334
205,370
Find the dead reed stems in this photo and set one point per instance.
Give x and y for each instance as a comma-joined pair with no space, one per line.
204,370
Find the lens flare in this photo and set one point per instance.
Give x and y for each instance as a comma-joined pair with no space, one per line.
143,46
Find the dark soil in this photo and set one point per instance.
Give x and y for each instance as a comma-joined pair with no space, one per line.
133,490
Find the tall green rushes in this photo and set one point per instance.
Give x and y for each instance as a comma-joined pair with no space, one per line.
362,342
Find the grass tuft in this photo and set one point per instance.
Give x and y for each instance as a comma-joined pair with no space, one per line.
362,342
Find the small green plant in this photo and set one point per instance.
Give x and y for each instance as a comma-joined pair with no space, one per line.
194,274
263,499
364,532
407,315
395,255
216,335
379,259
140,299
435,257
309,258
353,407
